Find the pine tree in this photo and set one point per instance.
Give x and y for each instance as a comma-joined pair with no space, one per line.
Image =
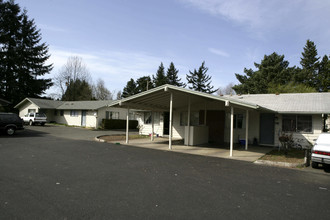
172,76
160,78
130,89
143,83
200,81
309,62
22,57
324,75
273,69
78,90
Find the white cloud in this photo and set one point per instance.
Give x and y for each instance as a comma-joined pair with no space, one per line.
114,67
268,16
218,52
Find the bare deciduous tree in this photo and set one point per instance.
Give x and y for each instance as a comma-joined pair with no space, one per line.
73,70
227,90
101,92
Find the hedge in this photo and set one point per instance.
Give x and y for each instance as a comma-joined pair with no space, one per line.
118,124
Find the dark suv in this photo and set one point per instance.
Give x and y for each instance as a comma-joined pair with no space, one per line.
10,122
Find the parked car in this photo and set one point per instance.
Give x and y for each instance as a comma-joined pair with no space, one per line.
35,118
321,150
10,122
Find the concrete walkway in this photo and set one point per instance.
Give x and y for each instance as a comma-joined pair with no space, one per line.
239,153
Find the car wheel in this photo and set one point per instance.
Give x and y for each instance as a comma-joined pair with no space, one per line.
315,164
10,131
30,123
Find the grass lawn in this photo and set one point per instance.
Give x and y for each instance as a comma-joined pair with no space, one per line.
291,156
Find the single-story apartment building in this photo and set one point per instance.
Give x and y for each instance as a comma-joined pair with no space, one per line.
76,113
200,118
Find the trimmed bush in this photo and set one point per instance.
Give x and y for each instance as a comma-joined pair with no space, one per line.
118,124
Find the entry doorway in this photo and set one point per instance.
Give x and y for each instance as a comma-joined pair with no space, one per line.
166,122
215,120
83,118
267,127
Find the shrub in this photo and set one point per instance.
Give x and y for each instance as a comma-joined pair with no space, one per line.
118,124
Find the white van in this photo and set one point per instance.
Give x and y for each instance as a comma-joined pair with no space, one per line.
321,150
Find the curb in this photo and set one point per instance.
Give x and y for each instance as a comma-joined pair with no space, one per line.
279,164
98,139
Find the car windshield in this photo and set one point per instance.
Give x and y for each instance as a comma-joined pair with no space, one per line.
40,115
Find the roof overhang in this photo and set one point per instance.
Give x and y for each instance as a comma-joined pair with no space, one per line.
157,99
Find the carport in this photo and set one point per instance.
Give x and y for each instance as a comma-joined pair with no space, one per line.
171,98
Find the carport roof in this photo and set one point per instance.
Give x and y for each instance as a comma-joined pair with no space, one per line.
157,99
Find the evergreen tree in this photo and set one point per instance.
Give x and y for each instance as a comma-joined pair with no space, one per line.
130,89
273,69
22,55
143,83
78,90
172,76
290,88
309,62
200,81
160,78
324,75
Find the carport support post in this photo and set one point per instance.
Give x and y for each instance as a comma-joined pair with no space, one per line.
170,126
188,122
231,130
152,126
247,130
127,125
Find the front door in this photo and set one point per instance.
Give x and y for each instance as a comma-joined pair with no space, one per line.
83,118
166,130
267,127
215,120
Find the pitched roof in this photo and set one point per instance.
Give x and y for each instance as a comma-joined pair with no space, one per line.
83,105
42,103
299,103
65,105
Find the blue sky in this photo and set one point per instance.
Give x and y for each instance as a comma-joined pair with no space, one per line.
123,39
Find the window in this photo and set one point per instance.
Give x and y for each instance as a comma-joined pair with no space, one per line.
194,118
147,118
31,110
297,123
55,112
304,123
61,112
238,121
289,123
132,116
111,115
74,113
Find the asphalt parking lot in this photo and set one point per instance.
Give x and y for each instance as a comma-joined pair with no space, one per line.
49,175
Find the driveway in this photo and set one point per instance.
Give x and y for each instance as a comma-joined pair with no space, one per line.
75,133
46,176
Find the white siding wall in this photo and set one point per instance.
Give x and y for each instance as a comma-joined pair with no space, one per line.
303,138
24,109
146,129
239,133
101,114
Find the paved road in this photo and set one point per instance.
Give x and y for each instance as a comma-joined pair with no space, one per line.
45,176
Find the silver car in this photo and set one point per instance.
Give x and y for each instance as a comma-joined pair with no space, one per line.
321,150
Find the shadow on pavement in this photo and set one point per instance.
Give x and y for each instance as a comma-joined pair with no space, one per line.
24,133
